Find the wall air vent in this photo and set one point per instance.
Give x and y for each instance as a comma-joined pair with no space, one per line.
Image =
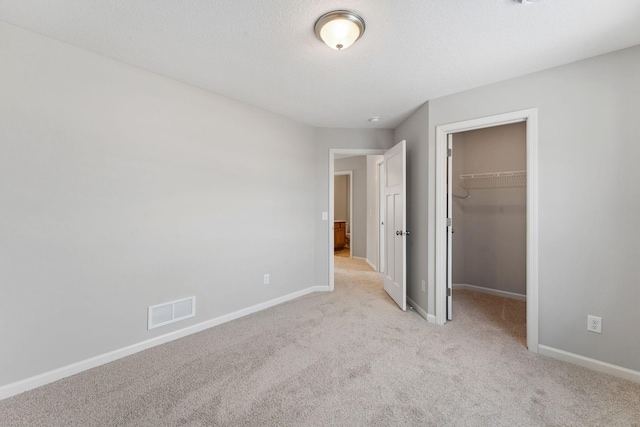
170,312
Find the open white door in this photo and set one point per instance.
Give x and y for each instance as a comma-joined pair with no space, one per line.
449,224
395,244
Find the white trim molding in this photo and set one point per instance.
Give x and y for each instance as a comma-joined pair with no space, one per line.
30,383
593,364
372,265
529,116
428,317
496,292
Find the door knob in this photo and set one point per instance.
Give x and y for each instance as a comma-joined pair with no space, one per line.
406,233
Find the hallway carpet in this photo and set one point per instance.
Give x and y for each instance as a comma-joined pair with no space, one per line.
345,358
343,253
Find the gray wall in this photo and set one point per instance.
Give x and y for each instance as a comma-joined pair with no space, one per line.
121,189
326,139
588,203
373,214
341,196
489,243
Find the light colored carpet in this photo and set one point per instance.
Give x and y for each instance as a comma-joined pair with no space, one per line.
343,253
347,358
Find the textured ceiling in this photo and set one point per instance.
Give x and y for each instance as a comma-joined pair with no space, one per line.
264,52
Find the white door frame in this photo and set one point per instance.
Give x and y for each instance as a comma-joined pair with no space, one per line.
350,218
381,213
332,153
530,116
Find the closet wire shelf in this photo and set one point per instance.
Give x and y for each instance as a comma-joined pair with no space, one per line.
494,180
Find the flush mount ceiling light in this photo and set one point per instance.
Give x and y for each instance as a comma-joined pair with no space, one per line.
339,29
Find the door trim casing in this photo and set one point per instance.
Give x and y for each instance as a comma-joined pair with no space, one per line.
530,116
380,172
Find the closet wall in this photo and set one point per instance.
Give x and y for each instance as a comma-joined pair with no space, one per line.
489,242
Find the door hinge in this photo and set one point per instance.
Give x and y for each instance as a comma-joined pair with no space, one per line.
449,152
449,222
448,292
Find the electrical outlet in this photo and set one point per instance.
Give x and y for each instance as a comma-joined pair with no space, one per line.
266,279
424,286
325,216
594,324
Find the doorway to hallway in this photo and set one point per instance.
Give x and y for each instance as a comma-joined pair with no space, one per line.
392,229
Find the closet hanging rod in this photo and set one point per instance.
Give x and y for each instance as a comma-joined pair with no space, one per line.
493,174
494,180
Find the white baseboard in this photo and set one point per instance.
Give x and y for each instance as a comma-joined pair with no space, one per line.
428,317
21,386
371,264
586,362
490,291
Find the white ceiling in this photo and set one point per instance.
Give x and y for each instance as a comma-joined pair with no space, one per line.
265,53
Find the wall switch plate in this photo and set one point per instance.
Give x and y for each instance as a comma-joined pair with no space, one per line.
266,279
424,286
325,216
594,324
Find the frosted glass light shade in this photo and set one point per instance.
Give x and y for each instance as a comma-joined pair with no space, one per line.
339,33
339,29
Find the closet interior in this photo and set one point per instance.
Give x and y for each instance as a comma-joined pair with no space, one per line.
489,210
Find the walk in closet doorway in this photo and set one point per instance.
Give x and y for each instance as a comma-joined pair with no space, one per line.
488,235
495,183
